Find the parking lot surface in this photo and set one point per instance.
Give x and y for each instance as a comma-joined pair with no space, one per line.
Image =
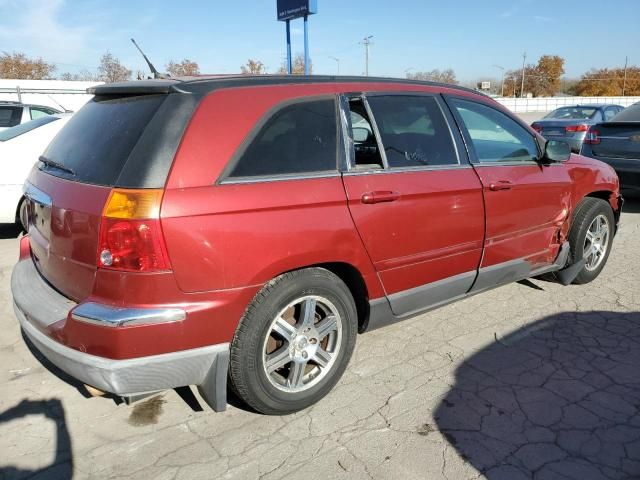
531,380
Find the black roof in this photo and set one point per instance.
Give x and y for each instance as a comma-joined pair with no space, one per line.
207,84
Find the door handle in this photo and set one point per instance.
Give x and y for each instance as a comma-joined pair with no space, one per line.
501,185
380,197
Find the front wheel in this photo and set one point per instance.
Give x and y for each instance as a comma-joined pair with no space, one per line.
294,341
591,237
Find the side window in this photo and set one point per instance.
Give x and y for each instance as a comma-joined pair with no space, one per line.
495,137
300,138
10,116
37,112
413,131
365,145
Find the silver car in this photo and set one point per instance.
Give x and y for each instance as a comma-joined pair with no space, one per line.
570,124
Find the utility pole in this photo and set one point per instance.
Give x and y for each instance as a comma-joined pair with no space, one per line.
624,82
366,42
524,59
502,81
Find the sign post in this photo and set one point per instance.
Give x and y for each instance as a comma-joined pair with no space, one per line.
290,10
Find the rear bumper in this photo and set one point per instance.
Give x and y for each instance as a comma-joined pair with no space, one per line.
628,171
37,306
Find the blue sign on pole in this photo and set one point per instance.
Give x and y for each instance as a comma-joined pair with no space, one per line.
290,9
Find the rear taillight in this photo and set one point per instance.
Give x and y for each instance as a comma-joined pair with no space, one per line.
537,128
592,137
130,233
577,128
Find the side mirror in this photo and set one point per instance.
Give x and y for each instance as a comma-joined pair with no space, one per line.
557,151
360,135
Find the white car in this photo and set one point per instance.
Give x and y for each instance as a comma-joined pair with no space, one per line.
20,148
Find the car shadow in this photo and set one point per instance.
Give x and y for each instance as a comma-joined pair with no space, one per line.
557,399
631,204
62,465
8,230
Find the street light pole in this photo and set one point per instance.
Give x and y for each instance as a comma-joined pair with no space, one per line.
501,81
337,61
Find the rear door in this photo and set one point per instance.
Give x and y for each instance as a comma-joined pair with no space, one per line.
416,202
67,190
526,202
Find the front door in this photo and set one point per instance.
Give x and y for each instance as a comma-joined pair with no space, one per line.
417,206
527,202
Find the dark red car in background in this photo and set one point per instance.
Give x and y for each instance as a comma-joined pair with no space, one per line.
246,229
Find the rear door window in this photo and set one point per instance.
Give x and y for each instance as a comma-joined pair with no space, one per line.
413,131
494,136
298,139
96,143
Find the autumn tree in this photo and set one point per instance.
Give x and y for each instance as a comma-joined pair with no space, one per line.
19,66
253,67
541,80
609,82
111,70
440,76
185,68
298,66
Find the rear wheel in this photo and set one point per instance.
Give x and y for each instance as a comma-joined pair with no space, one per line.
591,237
294,342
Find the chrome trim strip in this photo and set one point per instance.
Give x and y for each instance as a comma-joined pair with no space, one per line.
408,169
36,195
277,178
107,316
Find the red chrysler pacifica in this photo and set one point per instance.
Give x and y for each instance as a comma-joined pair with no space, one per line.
243,230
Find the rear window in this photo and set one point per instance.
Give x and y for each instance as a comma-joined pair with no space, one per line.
573,113
10,116
18,130
96,143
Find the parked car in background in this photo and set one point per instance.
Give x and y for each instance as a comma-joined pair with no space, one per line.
179,234
15,113
20,148
570,124
617,142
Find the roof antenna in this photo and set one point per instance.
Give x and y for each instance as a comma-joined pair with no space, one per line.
155,72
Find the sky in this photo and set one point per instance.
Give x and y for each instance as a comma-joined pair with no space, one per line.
408,35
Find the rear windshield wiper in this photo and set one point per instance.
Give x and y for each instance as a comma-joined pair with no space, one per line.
52,163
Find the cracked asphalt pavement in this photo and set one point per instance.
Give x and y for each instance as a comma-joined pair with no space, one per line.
531,380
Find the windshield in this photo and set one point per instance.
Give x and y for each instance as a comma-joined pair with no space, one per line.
573,113
18,130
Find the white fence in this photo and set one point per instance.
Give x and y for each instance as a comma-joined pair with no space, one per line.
547,104
53,93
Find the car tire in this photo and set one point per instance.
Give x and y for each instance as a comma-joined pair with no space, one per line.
591,237
294,341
